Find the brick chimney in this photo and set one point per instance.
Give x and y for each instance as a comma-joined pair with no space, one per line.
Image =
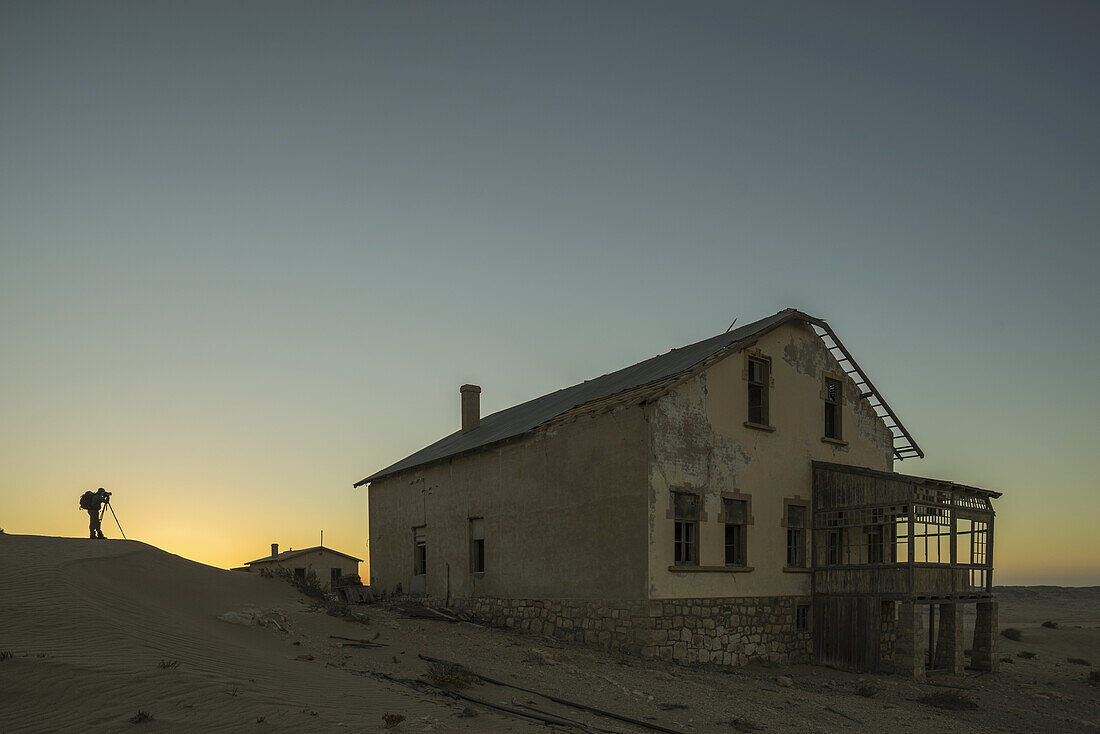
274,549
471,407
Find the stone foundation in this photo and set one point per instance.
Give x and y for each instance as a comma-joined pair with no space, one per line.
729,631
911,650
984,650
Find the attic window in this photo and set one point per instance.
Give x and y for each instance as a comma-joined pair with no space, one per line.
834,394
758,377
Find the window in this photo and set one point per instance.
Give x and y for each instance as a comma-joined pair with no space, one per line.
736,513
802,618
477,545
875,546
685,545
758,391
833,401
834,544
796,536
420,551
334,575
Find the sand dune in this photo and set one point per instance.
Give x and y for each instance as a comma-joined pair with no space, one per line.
90,624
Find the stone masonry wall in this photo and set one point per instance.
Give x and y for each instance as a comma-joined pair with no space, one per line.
731,631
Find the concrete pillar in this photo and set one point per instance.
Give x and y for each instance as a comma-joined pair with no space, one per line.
471,407
949,639
911,646
984,649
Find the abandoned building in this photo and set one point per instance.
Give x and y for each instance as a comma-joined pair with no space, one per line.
329,565
730,500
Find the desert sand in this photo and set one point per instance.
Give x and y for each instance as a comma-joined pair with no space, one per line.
94,632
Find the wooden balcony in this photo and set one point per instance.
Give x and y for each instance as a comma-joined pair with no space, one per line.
895,536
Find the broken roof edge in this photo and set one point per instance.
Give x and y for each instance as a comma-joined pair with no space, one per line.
867,471
742,338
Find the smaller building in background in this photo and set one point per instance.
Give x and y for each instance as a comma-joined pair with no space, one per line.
329,565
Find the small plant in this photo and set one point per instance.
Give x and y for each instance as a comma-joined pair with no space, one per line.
141,717
1007,659
1026,655
450,676
6,654
233,691
1079,661
166,664
867,691
1011,633
1050,625
392,720
456,681
261,719
950,700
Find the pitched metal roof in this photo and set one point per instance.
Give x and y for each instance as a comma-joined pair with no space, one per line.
287,554
525,417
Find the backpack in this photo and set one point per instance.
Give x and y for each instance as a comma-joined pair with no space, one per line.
88,500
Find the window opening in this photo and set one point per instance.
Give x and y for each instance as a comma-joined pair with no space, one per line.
802,618
796,536
686,530
477,545
758,391
420,552
833,401
736,512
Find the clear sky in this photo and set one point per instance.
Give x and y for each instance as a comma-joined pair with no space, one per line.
251,250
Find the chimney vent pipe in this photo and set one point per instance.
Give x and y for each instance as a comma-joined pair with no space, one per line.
274,549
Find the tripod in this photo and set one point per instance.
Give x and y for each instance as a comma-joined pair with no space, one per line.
103,512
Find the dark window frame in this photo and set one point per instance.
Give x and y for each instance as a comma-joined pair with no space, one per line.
833,395
797,534
477,545
420,551
736,547
759,386
801,617
685,529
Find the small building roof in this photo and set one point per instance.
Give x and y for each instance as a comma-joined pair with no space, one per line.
288,554
525,417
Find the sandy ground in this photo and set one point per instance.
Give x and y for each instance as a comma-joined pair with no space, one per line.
100,630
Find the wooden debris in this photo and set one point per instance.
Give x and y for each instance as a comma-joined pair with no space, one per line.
562,701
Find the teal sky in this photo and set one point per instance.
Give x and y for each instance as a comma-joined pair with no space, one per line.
251,250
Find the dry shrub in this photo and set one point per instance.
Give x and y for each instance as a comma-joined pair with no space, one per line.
1007,659
392,720
950,700
742,724
6,655
1079,661
141,717
867,691
1026,655
449,675
1011,633
1050,625
166,664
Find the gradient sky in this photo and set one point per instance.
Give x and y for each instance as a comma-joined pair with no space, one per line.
251,250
